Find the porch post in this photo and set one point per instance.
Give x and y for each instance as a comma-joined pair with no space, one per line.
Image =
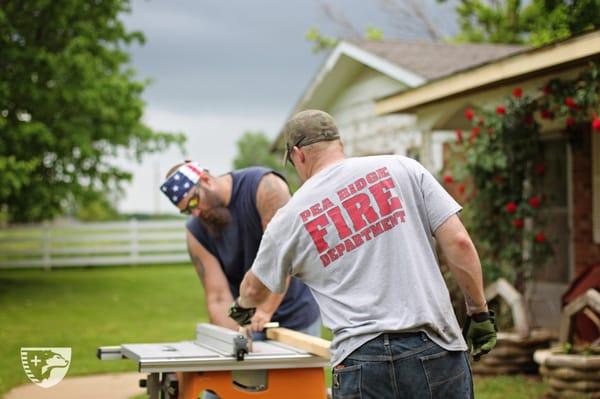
426,149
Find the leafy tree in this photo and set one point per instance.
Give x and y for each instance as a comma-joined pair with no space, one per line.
254,149
69,104
536,22
95,207
497,22
550,20
405,15
320,41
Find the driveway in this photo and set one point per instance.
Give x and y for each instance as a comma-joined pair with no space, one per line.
102,386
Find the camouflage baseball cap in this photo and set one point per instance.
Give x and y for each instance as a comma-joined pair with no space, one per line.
308,127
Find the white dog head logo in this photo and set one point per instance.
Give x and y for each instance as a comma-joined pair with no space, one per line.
46,367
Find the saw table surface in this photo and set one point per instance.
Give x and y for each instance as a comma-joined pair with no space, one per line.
213,350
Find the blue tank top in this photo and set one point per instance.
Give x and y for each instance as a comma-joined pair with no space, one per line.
238,244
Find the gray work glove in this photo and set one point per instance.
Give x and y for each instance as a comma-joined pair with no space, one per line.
241,315
480,333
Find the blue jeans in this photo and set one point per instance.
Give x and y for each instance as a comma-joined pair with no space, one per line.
403,365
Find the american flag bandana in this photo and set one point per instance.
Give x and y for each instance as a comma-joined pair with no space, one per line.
182,181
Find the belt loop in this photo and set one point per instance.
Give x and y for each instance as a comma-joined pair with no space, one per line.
386,339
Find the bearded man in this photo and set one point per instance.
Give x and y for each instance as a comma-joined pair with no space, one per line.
228,214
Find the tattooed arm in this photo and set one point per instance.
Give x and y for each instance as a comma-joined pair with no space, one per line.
216,289
272,194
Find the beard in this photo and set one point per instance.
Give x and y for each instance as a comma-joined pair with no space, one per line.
216,217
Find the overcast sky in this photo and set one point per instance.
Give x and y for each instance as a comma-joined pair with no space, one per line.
220,68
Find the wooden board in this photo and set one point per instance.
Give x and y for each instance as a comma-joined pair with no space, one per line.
315,345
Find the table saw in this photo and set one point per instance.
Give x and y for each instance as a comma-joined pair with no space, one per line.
214,366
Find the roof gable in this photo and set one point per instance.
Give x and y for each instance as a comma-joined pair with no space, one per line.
412,63
341,66
432,60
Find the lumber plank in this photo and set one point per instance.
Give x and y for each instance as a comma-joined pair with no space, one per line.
315,345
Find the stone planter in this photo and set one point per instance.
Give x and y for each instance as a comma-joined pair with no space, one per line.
572,375
513,354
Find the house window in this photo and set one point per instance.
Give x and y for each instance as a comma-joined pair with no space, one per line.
596,185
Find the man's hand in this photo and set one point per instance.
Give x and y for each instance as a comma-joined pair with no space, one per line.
242,316
259,320
480,333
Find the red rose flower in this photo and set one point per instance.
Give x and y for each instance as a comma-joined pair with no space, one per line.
469,114
546,114
547,90
462,188
448,179
570,121
569,102
528,119
500,110
540,169
517,92
596,125
540,237
459,135
535,201
518,223
511,207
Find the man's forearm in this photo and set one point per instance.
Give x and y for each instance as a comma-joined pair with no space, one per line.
252,291
465,266
217,313
463,261
272,302
472,290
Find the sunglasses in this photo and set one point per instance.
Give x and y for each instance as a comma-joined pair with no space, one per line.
193,203
289,149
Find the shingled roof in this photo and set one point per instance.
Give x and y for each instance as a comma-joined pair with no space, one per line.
411,62
432,60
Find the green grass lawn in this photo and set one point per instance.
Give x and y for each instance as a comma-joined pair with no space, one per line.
89,307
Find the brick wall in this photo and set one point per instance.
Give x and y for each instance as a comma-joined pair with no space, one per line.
587,253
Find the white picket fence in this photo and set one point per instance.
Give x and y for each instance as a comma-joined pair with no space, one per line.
93,244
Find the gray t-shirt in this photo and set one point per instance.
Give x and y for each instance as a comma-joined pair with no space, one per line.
359,234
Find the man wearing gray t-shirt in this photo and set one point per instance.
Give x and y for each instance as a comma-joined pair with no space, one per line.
360,233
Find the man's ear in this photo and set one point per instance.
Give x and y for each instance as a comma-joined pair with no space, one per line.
206,180
301,154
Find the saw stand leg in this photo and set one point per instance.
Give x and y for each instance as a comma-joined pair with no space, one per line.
153,386
168,388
